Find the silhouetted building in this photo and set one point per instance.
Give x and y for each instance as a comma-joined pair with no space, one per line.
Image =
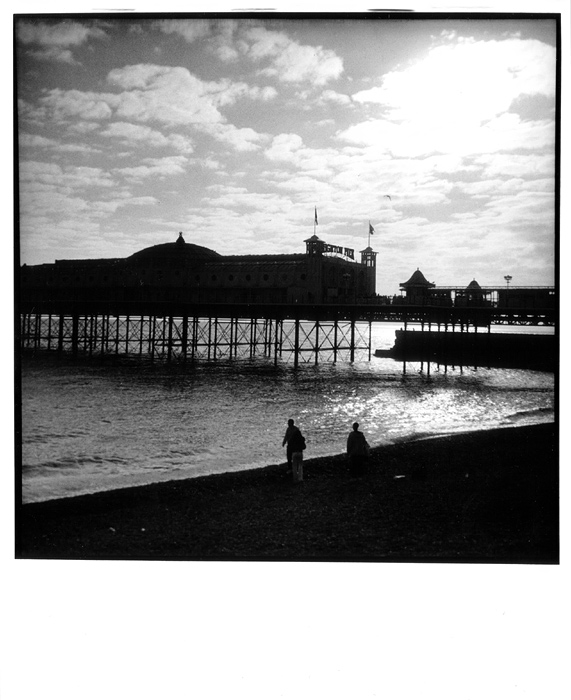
183,271
417,288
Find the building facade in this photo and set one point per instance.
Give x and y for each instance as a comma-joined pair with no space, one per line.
181,271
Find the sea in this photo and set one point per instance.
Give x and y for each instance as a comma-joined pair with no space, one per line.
90,425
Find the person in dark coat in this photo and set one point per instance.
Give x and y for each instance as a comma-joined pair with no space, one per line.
291,428
295,445
357,451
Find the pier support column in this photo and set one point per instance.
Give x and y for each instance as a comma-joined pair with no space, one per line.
352,339
152,338
60,333
335,341
184,337
194,343
276,342
215,337
74,334
92,334
370,339
104,329
253,332
296,344
169,346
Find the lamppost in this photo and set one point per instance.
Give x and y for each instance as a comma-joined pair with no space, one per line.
508,279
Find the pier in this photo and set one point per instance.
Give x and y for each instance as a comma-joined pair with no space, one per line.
179,301
183,331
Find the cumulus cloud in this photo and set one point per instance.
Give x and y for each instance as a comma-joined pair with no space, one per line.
62,105
56,38
284,147
289,61
165,94
56,34
241,139
336,97
35,141
189,29
415,138
66,178
468,81
154,167
138,134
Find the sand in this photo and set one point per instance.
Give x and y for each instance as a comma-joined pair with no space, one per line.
481,497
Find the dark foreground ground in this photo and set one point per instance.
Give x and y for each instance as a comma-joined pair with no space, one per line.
480,497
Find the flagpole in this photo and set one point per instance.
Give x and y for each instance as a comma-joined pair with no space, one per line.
369,240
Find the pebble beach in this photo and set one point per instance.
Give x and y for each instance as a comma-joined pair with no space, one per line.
480,497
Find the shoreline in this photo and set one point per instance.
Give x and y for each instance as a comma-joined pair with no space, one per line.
480,496
405,439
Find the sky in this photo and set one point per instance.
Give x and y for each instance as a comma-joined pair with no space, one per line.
439,132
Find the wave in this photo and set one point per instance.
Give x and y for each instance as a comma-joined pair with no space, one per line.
539,415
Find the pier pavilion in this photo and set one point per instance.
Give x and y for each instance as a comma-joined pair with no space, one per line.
185,272
180,300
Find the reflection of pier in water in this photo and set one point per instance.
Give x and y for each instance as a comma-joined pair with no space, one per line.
174,331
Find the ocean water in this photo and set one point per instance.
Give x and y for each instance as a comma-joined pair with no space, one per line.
93,425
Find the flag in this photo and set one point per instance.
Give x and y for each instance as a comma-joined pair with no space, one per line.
371,229
316,222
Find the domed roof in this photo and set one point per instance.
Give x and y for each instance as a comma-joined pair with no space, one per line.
417,279
174,254
474,285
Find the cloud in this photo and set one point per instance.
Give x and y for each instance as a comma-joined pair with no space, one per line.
56,34
516,164
241,139
189,29
285,147
335,97
62,105
163,94
137,134
415,138
291,62
56,38
55,54
35,141
64,178
468,81
154,167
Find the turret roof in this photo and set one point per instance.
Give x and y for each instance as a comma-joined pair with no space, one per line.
417,279
473,285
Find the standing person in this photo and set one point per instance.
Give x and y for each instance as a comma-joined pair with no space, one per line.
291,428
297,444
294,451
357,451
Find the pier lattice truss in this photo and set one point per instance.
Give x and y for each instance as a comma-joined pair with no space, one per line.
181,339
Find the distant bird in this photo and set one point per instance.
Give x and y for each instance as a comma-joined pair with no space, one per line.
388,197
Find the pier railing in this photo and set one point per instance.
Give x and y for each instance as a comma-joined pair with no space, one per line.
363,311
